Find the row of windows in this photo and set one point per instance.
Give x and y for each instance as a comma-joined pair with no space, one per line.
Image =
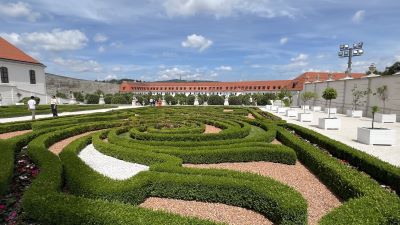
4,75
204,88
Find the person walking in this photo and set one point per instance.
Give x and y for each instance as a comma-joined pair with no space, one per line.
32,106
53,104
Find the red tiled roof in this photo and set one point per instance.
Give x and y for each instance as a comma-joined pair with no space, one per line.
10,52
323,76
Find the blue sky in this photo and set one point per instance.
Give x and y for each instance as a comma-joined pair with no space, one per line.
223,40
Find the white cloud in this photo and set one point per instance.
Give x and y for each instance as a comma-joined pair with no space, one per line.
18,10
100,38
56,40
101,49
224,68
225,8
110,77
186,74
78,65
283,40
358,17
299,58
197,41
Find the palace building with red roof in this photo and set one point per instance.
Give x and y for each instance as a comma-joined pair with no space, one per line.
20,75
231,88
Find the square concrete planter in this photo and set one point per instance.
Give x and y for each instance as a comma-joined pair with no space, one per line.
306,107
274,108
376,136
385,118
268,107
316,108
333,110
291,113
354,113
329,123
282,110
305,117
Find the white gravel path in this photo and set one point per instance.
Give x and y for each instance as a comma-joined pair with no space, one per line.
26,118
108,166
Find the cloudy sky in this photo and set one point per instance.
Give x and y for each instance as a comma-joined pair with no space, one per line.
200,39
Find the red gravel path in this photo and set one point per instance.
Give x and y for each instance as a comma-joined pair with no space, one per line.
213,211
13,134
320,199
59,146
211,129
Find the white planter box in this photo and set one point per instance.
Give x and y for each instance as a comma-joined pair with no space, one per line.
268,107
282,110
385,118
316,108
380,136
291,113
333,110
305,117
354,113
329,123
274,108
306,107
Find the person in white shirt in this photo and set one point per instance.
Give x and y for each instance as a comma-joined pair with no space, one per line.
53,104
32,106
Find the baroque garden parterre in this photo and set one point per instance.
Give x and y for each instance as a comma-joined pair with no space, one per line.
68,191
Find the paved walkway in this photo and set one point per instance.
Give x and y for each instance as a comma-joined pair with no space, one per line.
348,134
26,118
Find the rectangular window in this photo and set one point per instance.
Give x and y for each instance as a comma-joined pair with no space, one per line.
4,74
32,76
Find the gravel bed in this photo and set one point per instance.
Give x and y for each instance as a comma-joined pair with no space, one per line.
250,116
59,146
212,211
212,129
320,199
109,166
13,134
276,142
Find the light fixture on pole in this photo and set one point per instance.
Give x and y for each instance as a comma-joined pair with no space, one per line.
347,51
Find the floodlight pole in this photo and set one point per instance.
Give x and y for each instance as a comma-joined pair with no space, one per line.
348,72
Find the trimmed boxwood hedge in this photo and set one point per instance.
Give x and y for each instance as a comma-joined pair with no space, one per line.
366,202
378,169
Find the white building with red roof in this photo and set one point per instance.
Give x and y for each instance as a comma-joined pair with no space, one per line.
20,75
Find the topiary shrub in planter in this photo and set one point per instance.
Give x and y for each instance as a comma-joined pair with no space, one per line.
358,98
383,95
376,136
329,123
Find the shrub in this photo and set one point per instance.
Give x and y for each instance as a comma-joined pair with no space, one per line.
92,99
235,100
215,100
119,99
26,99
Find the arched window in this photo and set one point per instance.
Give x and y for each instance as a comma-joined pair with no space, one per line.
4,74
32,76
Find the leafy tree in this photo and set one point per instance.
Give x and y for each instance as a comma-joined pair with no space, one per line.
234,100
170,99
306,97
26,99
215,100
107,98
119,99
383,95
392,69
60,95
79,96
92,98
190,100
358,96
329,94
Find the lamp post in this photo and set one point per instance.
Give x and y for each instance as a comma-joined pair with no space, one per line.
347,51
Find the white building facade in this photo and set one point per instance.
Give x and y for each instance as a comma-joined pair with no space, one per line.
20,75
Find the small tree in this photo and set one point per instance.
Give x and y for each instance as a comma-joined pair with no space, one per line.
358,96
329,94
375,109
383,95
306,97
